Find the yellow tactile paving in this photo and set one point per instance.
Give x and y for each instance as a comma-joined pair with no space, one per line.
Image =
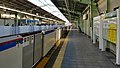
44,61
59,59
57,64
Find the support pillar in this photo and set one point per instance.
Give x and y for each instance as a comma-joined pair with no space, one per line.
101,46
118,39
16,19
94,38
108,6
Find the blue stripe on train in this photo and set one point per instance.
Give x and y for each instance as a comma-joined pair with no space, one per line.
7,46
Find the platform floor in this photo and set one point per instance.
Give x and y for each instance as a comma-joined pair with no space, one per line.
81,53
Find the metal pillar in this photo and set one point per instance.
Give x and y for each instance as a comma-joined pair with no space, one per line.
118,39
93,34
34,19
101,46
4,22
94,40
16,19
108,6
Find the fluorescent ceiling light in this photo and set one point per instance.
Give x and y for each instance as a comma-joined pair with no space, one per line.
18,11
48,6
21,12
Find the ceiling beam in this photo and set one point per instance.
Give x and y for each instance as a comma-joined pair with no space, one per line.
71,11
71,16
88,2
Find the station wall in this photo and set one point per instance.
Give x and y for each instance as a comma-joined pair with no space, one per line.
1,22
104,6
113,4
7,21
87,23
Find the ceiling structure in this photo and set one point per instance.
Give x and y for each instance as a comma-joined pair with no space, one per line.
48,6
71,8
25,6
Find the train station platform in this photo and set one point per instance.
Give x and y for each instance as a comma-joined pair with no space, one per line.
78,51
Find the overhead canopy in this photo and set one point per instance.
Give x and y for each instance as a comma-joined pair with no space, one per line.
26,6
71,8
49,7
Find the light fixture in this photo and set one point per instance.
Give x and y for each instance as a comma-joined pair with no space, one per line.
48,6
5,8
7,16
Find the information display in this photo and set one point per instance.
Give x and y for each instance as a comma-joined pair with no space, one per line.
112,28
109,29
